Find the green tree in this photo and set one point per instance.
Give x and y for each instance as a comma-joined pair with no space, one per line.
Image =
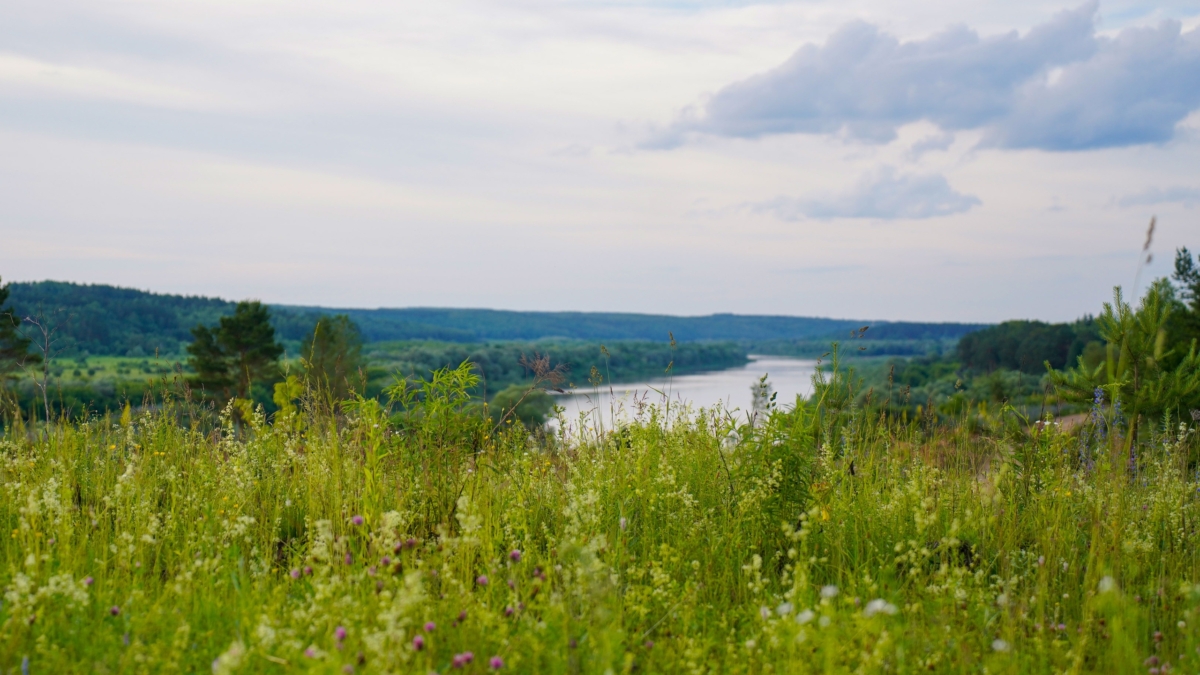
1138,369
240,350
1184,325
333,355
14,347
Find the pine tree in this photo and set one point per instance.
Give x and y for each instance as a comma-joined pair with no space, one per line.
14,347
240,350
333,355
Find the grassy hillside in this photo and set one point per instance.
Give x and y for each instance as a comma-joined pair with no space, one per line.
825,539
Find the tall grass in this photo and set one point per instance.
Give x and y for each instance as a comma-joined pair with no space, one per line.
400,539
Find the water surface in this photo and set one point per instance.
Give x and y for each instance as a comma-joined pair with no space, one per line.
731,387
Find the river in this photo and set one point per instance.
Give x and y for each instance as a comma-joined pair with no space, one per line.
731,387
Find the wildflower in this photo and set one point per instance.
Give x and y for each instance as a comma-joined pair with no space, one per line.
649,644
764,612
515,556
349,559
357,520
462,659
371,570
805,616
1152,661
879,606
311,652
508,611
339,633
430,626
496,663
462,616
512,584
623,523
307,571
1158,636
1181,625
1000,645
784,609
386,561
88,581
1107,584
1041,560
418,643
295,574
411,543
114,610
829,591
348,669
482,580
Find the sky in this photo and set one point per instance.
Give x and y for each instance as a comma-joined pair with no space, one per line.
942,161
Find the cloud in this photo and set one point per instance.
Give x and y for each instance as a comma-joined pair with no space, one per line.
934,142
1057,87
879,194
1188,196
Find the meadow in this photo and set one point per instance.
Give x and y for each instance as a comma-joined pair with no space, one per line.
415,536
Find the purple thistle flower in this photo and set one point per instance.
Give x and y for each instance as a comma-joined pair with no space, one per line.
430,626
357,520
515,556
411,543
508,611
349,559
114,610
418,643
310,653
295,574
307,571
348,669
482,580
496,663
88,581
386,561
512,584
398,547
462,616
339,633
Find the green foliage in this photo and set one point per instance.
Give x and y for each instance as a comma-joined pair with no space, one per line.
1026,345
1135,370
14,346
332,356
819,538
516,403
127,322
240,350
499,365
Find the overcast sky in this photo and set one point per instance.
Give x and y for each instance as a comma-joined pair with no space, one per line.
947,160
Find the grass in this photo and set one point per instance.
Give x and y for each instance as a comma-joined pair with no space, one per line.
821,538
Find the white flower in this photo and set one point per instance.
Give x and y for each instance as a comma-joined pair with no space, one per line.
1000,645
1107,584
805,616
784,609
231,660
829,591
878,606
766,613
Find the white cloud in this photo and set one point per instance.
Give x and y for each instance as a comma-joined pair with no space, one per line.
1188,196
883,194
1060,86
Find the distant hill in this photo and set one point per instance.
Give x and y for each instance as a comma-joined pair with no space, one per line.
102,319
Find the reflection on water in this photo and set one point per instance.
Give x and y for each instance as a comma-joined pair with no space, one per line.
732,388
